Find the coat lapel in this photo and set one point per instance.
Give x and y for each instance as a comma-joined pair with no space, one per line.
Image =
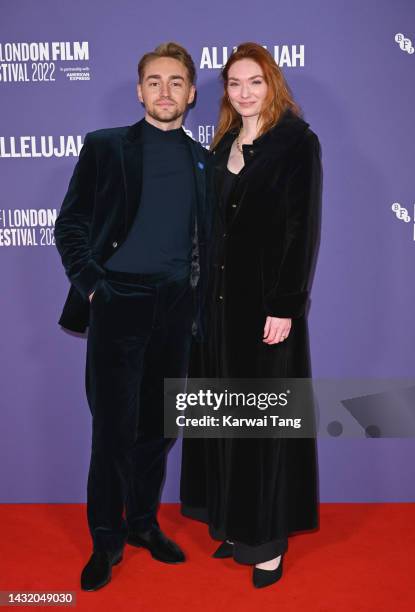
131,155
221,154
199,168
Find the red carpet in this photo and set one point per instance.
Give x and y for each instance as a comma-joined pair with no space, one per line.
361,559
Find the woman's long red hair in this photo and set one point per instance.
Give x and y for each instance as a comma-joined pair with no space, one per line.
278,99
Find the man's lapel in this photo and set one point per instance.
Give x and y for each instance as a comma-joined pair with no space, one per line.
199,168
132,158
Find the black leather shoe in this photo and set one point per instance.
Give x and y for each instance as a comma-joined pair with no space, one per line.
262,578
224,551
161,547
97,572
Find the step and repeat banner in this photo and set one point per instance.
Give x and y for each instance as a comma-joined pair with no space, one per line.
69,67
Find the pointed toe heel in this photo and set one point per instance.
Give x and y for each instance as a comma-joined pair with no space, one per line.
263,578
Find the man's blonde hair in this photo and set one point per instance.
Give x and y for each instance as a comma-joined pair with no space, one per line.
169,49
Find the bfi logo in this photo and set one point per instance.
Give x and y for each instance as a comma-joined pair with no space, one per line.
405,44
402,214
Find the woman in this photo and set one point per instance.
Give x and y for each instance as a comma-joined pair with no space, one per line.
253,493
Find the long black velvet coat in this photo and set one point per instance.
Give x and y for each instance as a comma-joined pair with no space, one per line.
265,246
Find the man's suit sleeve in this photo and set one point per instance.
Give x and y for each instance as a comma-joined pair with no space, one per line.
72,227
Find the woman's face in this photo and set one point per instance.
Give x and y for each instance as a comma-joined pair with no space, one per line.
246,87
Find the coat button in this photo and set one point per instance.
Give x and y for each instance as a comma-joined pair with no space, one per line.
224,235
221,297
251,151
234,205
222,267
115,244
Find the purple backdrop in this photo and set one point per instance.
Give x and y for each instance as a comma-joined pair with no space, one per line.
355,81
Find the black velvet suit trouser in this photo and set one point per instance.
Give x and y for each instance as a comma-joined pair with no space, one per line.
139,334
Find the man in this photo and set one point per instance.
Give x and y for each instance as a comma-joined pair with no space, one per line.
132,235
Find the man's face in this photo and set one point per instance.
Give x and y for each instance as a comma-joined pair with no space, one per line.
165,90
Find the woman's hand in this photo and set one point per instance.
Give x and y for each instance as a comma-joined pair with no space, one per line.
276,330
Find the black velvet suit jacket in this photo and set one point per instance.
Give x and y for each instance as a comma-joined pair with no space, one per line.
100,206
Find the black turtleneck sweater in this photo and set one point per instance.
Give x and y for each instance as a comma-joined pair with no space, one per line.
160,237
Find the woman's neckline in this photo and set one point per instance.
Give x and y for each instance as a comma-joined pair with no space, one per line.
234,173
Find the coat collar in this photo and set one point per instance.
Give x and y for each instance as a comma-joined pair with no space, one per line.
133,133
278,140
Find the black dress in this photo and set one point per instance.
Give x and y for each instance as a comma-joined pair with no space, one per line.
254,492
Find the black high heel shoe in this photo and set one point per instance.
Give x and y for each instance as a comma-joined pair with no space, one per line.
262,578
224,551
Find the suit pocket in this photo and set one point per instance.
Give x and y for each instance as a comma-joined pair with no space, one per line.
97,291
